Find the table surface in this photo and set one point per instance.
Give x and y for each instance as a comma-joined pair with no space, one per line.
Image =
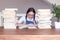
29,31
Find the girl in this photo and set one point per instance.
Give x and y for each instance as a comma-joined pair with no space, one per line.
28,21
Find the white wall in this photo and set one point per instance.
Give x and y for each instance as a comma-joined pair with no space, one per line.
23,5
55,1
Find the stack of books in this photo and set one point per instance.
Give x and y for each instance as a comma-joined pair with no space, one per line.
9,16
44,16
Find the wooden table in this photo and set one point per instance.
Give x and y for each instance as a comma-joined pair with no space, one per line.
29,34
29,31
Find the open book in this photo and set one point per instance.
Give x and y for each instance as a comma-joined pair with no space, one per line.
23,27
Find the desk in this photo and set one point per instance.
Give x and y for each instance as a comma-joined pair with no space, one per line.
29,34
29,31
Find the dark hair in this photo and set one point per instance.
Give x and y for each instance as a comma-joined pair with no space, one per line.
31,10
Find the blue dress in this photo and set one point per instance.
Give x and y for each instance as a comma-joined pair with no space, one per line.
30,22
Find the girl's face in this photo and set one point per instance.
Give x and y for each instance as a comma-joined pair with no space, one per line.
30,15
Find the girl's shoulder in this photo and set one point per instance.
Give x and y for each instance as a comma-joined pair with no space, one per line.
23,17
